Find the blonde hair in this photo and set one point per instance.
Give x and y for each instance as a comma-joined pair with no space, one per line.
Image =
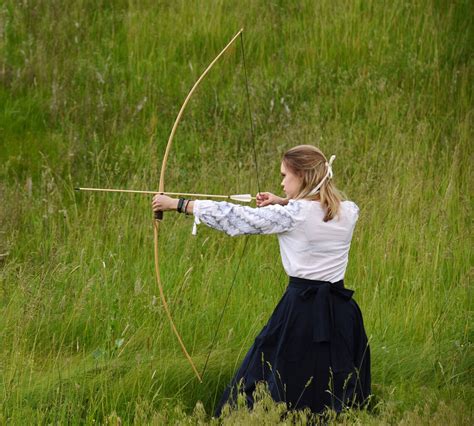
309,163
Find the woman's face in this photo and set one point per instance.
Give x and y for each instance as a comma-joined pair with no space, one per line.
291,182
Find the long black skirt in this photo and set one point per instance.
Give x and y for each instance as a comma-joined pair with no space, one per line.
313,352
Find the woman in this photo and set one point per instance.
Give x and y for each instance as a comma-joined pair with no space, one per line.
313,352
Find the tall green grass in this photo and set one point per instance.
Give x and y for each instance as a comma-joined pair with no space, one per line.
88,94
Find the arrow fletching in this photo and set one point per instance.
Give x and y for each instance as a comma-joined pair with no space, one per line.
244,198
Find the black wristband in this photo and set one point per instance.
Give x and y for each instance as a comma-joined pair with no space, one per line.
180,205
186,207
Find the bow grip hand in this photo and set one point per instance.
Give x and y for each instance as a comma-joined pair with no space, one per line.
161,203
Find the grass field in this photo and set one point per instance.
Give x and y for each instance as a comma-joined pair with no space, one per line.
88,93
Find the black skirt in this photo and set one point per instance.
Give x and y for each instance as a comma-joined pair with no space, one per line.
313,352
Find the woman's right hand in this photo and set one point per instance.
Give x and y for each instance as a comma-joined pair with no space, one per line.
267,198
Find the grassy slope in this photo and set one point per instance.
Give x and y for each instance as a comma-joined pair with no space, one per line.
88,94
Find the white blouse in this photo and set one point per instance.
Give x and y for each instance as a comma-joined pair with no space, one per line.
309,247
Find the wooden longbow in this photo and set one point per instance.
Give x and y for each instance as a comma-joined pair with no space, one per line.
159,215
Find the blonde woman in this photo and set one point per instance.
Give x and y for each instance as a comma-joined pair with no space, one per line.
313,352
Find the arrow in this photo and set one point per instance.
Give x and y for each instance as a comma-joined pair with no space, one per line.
244,198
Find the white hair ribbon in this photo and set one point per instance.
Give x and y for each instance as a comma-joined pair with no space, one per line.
329,175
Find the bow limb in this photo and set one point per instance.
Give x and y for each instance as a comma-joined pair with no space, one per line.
162,188
181,111
165,303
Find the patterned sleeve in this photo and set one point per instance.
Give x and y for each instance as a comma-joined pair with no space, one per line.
234,219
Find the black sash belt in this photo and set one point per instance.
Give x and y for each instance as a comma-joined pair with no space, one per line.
323,313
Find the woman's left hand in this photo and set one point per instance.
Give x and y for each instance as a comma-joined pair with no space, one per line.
162,203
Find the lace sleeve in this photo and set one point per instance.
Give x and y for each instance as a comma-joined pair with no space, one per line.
234,219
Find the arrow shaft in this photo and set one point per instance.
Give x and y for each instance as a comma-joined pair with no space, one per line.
133,191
